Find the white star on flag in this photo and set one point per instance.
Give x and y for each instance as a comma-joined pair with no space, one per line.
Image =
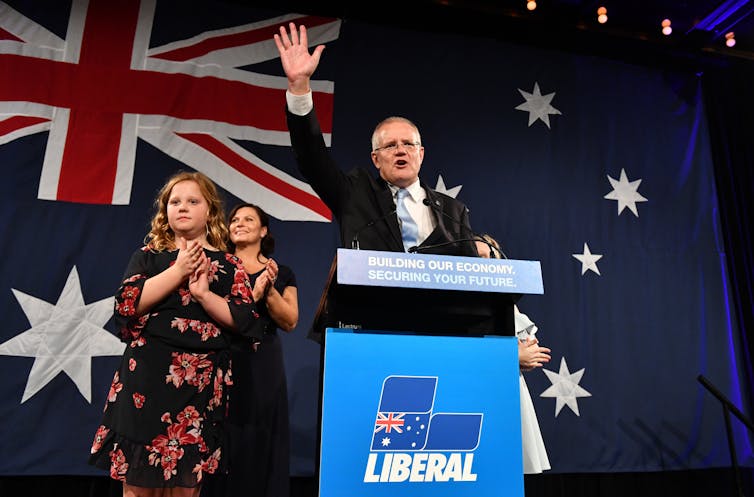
538,105
450,192
63,337
565,388
588,260
625,192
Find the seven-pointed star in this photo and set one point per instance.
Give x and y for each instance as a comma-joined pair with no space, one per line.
588,260
63,337
565,388
450,192
625,192
537,105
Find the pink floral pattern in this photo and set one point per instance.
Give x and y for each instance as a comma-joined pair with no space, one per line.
115,387
185,294
99,437
206,330
168,448
208,465
138,400
126,305
118,464
194,369
217,390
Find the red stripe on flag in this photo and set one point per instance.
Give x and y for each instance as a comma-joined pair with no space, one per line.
90,159
87,173
119,89
19,122
257,174
236,39
8,36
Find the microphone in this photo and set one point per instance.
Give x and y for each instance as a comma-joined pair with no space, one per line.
474,236
419,249
355,239
436,207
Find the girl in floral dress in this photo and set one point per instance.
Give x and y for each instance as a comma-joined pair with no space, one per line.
180,299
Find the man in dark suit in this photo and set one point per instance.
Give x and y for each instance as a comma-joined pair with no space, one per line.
394,211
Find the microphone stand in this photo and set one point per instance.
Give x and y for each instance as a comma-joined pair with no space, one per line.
355,239
728,408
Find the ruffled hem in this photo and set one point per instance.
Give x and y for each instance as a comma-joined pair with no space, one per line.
135,464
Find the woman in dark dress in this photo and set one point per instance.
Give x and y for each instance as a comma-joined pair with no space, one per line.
258,415
181,298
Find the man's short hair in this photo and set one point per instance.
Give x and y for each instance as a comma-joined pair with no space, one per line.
389,120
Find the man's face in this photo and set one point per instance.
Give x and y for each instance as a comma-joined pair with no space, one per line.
399,164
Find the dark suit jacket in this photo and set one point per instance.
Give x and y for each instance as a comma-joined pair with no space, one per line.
362,202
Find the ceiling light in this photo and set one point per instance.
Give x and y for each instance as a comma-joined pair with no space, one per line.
531,5
602,15
666,29
730,39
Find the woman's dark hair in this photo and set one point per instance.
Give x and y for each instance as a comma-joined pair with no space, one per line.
268,241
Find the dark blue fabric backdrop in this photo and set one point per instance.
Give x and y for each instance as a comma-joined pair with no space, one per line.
627,343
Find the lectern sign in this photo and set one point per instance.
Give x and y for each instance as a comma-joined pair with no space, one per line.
407,416
442,272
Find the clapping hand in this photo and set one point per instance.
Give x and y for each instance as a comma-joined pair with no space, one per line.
199,279
261,285
272,270
189,257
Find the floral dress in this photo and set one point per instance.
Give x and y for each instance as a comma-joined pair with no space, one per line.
163,418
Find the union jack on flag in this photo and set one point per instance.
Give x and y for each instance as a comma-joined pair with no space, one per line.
102,86
391,421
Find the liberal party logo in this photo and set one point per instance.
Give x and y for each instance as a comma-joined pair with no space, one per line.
412,443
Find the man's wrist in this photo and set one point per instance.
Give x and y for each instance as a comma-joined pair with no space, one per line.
299,105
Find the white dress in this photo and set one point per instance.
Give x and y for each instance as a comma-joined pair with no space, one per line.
534,453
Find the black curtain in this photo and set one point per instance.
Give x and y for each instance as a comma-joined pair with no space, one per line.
730,110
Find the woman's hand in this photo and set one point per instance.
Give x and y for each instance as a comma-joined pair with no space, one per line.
272,271
531,355
260,286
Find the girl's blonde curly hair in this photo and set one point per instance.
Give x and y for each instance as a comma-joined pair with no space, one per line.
161,236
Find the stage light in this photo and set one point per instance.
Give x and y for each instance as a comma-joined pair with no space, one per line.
666,29
602,15
730,39
531,5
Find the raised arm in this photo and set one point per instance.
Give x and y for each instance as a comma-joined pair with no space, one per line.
298,63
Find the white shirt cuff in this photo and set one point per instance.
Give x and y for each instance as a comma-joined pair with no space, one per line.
299,105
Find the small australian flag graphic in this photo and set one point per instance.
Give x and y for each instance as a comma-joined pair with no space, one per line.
405,421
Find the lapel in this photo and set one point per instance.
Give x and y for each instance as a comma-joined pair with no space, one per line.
436,206
386,203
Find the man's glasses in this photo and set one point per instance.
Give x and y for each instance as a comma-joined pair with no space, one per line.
391,147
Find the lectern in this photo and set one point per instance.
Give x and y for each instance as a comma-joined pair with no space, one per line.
420,375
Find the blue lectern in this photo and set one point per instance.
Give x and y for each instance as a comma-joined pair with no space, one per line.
430,411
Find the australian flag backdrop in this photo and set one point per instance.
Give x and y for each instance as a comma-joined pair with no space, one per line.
600,170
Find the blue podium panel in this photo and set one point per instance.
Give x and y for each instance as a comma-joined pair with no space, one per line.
414,415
